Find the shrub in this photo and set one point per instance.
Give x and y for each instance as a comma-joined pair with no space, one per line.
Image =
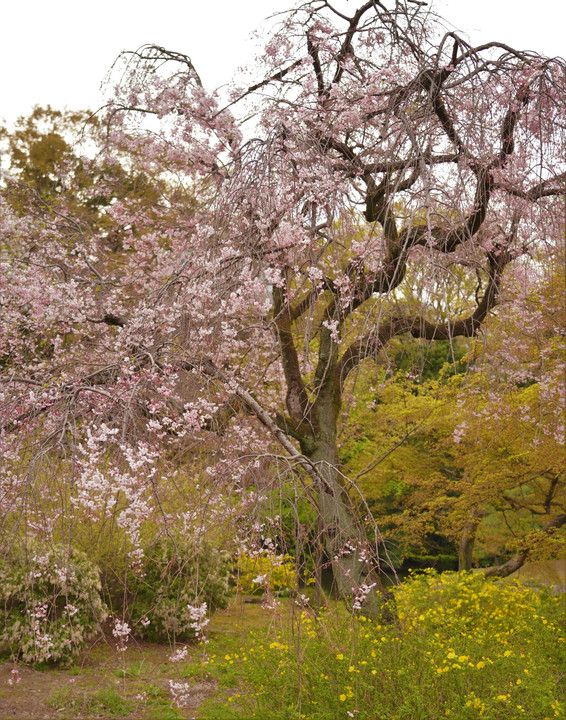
175,576
255,574
50,603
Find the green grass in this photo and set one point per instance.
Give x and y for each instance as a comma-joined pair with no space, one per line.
132,671
111,702
165,712
103,701
61,699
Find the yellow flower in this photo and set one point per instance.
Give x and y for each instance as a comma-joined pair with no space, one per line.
480,664
342,697
340,656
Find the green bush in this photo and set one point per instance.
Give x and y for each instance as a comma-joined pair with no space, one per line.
175,576
279,574
50,603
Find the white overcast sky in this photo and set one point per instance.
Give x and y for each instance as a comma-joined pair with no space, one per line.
58,52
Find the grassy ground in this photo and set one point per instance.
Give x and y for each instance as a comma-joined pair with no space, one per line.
463,648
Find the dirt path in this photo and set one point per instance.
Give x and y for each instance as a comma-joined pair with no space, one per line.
98,687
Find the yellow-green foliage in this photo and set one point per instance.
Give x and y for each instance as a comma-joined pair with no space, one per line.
278,573
464,648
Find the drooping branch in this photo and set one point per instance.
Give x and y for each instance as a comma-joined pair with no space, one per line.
159,54
209,369
399,164
367,346
469,326
448,239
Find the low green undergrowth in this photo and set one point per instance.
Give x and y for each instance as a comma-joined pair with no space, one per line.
104,701
465,647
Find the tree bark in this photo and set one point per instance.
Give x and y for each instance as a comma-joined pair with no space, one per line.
466,549
467,541
345,540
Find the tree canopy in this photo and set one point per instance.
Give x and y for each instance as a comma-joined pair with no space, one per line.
378,178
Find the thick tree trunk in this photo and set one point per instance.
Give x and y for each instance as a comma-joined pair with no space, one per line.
314,423
345,540
467,541
466,550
